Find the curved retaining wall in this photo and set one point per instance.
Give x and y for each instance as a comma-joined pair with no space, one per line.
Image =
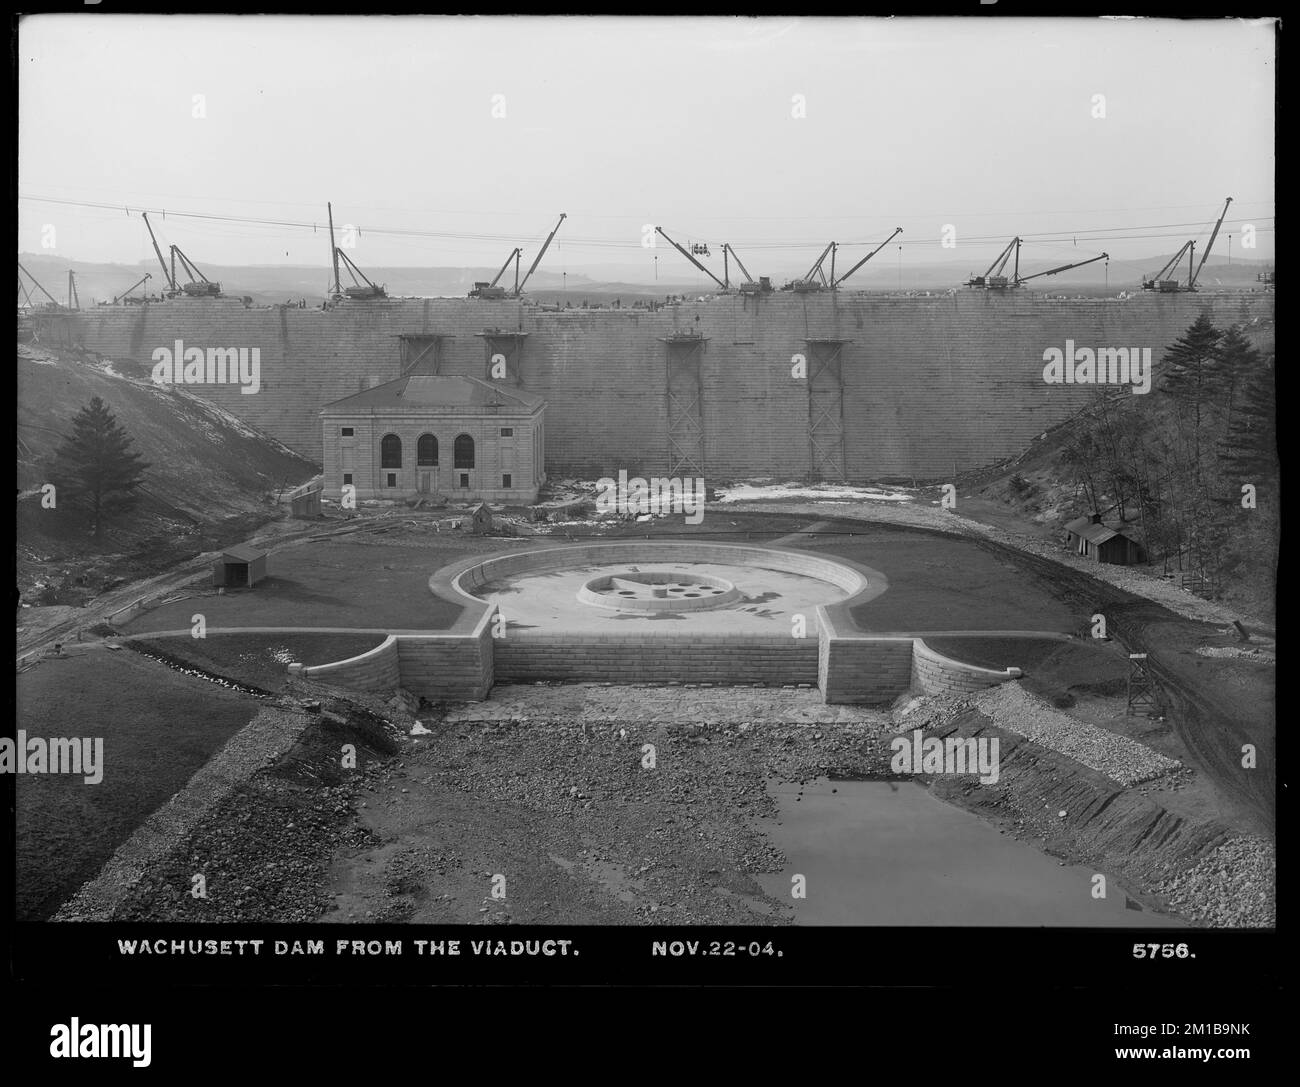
859,583
934,673
454,667
374,670
846,664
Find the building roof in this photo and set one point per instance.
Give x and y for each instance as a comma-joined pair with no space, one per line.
243,553
1096,533
427,391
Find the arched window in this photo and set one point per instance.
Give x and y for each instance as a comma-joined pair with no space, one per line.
464,451
390,451
426,451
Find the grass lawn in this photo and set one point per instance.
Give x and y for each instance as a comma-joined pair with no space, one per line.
158,728
325,583
941,582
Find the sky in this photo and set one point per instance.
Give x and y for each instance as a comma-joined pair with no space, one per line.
449,141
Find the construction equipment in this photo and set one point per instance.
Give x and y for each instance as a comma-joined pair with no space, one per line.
808,282
143,279
73,301
1161,282
993,279
519,289
167,275
660,230
199,285
362,288
1191,285
491,290
836,282
30,304
1062,268
750,285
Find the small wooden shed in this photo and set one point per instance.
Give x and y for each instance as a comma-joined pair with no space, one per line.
306,504
480,519
1091,538
239,567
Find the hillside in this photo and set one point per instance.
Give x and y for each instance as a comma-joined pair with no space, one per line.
212,478
1139,456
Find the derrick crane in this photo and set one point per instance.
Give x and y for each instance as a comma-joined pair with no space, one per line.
143,279
762,285
1062,268
806,282
683,252
199,286
1160,281
836,282
73,301
39,286
362,288
993,278
171,279
1191,283
491,290
538,260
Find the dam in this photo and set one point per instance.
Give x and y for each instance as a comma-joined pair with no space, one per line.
828,385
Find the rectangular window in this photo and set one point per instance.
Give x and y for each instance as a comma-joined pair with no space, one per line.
347,479
505,481
392,479
507,432
464,480
346,432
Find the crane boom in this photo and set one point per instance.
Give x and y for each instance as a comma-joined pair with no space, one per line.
144,279
1191,286
499,274
897,231
1172,264
171,280
995,269
817,264
38,283
538,260
334,253
1063,268
683,252
726,248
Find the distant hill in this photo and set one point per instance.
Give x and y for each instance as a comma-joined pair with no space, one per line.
273,284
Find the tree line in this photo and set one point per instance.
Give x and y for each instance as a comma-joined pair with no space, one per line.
1193,465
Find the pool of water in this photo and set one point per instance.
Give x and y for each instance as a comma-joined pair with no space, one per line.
890,853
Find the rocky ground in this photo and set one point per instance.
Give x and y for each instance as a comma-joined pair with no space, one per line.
1233,887
550,806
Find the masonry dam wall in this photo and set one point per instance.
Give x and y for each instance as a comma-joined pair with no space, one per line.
896,386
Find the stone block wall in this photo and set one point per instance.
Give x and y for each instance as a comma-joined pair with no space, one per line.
931,384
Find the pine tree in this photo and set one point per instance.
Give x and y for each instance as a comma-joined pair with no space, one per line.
95,468
1249,451
1192,365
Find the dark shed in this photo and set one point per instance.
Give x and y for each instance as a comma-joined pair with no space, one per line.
1091,538
239,567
